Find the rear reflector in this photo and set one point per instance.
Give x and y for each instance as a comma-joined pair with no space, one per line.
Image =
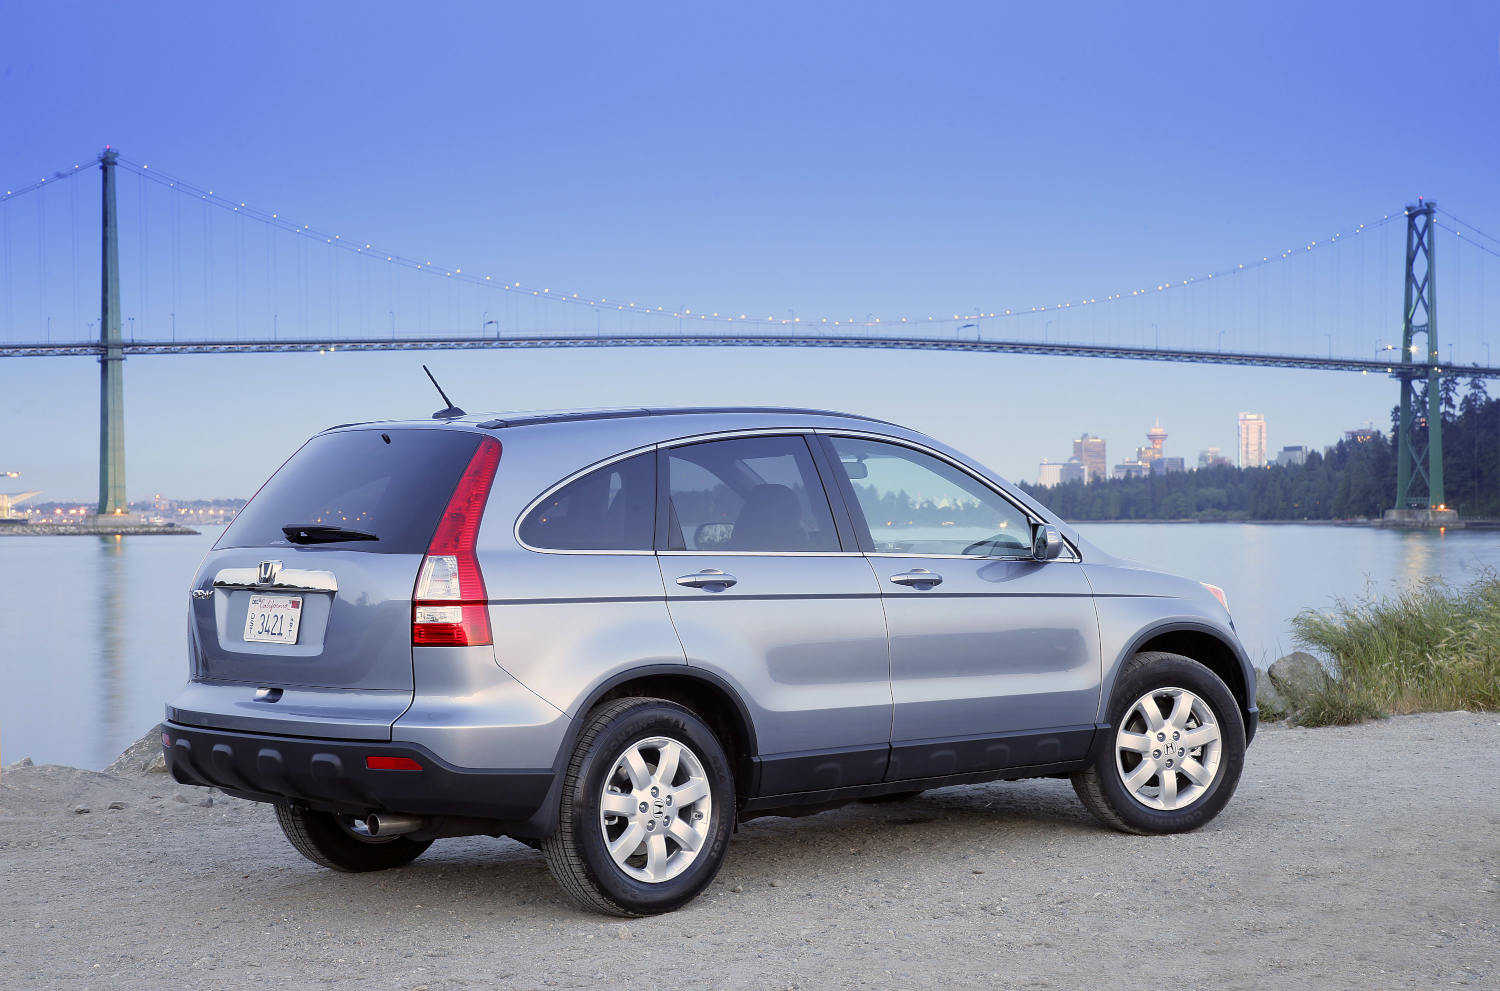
449,604
379,763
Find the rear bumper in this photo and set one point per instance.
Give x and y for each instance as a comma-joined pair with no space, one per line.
331,775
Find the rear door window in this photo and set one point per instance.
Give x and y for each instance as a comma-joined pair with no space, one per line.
754,494
612,508
392,484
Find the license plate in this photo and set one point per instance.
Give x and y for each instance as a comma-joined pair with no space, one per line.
273,618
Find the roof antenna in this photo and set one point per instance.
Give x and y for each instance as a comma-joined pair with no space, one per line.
451,411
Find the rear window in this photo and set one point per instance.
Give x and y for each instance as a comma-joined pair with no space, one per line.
390,483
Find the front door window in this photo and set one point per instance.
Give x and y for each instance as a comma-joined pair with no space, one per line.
914,503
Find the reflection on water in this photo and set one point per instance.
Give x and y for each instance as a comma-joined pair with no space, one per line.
92,641
111,641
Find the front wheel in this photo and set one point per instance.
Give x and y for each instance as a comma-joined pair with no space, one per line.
646,810
1176,750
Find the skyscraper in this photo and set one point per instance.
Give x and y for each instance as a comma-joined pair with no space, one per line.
1156,437
1090,450
1252,440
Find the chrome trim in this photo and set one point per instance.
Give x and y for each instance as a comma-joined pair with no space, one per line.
966,557
286,580
203,593
662,445
760,553
515,530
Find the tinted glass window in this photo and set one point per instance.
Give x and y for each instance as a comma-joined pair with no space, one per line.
747,494
916,504
390,483
610,509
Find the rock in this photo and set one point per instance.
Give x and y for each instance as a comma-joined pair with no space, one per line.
26,762
116,805
1272,704
79,810
142,757
1298,676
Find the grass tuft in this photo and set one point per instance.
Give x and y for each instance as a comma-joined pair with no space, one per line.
1432,648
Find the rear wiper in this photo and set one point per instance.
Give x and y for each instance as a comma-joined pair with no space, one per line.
322,533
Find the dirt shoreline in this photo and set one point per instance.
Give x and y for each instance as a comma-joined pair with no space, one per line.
1362,857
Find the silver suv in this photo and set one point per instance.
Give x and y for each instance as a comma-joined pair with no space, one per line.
612,634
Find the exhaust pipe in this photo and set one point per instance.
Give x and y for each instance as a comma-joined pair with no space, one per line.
392,824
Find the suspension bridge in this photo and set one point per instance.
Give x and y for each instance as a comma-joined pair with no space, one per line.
230,270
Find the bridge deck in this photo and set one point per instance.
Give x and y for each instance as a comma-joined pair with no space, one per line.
538,340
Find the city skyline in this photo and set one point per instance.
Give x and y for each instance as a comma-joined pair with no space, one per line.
1089,461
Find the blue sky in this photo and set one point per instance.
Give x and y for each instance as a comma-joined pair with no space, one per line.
815,159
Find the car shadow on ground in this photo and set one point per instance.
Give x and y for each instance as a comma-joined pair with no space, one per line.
482,876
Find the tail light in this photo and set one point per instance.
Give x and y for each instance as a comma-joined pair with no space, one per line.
450,607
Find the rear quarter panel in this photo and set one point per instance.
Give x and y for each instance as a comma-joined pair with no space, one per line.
565,623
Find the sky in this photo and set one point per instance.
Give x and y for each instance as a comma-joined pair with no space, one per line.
802,159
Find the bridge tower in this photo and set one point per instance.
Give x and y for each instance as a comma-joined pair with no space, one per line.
1419,445
112,357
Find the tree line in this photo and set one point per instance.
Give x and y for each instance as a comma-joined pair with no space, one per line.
1350,480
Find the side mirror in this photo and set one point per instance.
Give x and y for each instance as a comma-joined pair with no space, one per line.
1046,542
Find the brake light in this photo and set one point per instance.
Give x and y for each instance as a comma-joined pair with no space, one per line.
450,607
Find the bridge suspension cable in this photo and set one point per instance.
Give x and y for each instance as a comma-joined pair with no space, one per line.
358,246
54,179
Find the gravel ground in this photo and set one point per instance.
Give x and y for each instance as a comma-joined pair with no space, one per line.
1366,857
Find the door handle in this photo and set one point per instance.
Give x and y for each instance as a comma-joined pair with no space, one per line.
706,578
919,577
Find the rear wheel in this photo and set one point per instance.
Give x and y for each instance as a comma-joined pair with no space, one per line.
646,810
342,843
1176,748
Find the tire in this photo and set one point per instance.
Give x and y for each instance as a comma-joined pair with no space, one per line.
621,759
333,841
1137,783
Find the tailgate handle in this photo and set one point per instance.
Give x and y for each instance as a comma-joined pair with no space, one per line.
285,580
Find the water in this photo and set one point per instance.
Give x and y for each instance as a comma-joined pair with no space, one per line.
92,630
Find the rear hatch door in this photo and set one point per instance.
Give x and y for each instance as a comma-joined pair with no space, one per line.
301,618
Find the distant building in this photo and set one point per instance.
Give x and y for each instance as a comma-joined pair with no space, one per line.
1362,435
1048,473
1167,466
1089,450
1156,437
1131,469
1212,458
1252,440
1296,455
1073,471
